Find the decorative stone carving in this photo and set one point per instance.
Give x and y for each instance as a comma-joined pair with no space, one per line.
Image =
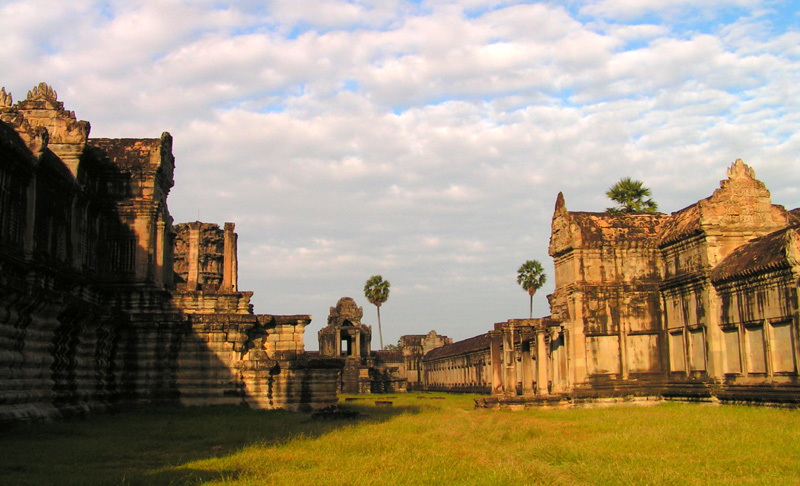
793,248
5,99
739,170
43,92
561,238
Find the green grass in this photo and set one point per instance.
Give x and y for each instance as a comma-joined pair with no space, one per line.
417,441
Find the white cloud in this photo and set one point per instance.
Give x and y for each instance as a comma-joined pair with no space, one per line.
423,141
630,9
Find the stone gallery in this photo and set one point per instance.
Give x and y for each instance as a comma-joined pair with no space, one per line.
701,304
104,303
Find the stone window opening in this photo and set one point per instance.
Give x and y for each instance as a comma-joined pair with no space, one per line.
11,210
346,346
676,351
781,346
755,349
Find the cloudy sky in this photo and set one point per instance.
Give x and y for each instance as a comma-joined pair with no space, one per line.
424,141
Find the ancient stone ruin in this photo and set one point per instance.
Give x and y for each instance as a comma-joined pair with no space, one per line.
414,348
103,303
701,304
346,339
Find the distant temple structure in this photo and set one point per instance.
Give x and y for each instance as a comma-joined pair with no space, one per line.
346,339
104,303
701,304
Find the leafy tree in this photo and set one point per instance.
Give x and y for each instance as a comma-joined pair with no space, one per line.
395,347
376,290
531,277
630,197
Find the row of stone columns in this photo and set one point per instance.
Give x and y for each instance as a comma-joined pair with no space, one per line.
521,360
459,370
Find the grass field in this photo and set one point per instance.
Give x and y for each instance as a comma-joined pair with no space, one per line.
419,440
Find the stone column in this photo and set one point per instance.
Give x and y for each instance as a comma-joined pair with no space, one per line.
541,361
527,374
357,352
193,260
714,337
30,218
496,356
577,344
623,350
510,362
160,248
143,233
230,263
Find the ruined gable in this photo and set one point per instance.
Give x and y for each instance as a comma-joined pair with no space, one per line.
41,110
738,211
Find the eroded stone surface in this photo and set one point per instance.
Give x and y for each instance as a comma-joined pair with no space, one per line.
91,316
697,304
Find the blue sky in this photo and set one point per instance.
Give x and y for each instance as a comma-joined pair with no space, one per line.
424,141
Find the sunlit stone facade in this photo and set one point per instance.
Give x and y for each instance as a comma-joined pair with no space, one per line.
701,304
91,313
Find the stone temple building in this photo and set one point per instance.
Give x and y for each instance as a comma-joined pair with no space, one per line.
104,303
700,304
346,339
414,348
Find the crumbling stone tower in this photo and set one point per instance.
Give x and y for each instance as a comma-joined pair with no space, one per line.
91,316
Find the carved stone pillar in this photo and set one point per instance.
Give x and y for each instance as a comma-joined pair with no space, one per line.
541,362
230,263
527,372
193,260
160,248
497,367
509,362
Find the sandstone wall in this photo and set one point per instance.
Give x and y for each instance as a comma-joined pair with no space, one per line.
90,317
701,304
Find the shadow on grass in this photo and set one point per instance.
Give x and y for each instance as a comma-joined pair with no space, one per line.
148,446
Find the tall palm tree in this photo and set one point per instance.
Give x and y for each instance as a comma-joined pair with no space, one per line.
376,290
531,276
630,196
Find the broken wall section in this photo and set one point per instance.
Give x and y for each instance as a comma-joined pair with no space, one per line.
232,355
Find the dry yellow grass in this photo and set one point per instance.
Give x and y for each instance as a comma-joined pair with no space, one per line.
417,441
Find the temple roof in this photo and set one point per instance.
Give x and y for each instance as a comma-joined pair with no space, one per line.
389,356
597,227
412,339
476,343
758,255
681,224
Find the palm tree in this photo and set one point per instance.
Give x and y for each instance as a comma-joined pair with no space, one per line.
629,195
531,276
376,290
